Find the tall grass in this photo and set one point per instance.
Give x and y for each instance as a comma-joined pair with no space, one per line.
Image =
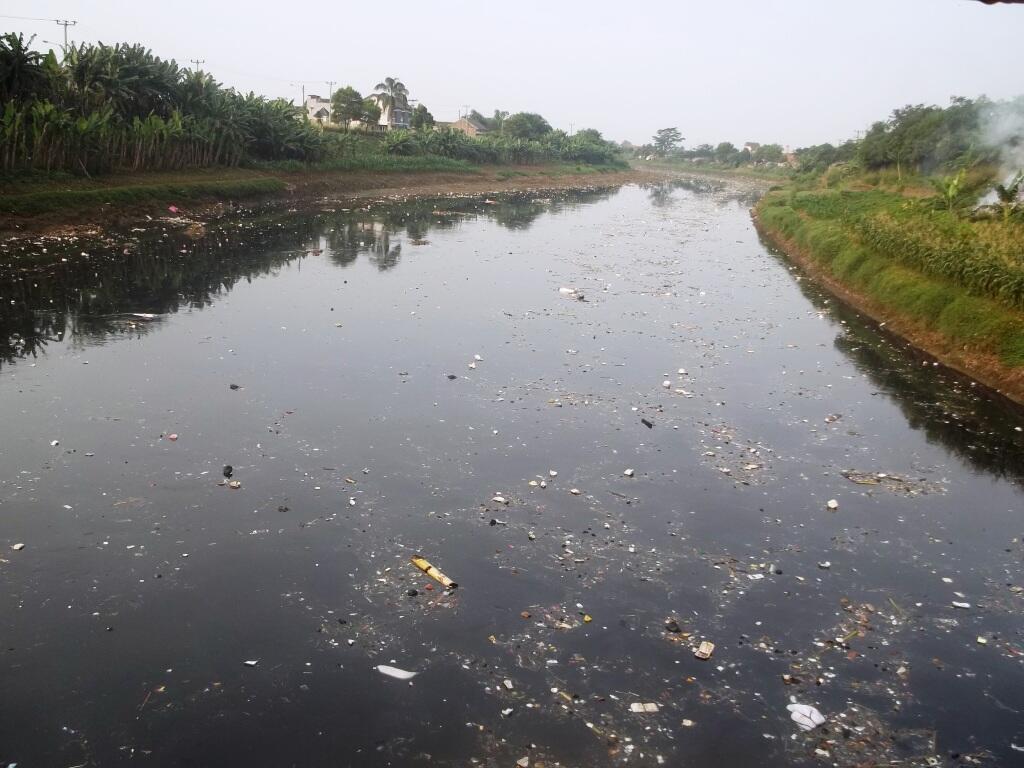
938,302
984,257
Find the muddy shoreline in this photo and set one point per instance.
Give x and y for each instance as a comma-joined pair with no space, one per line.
309,191
986,369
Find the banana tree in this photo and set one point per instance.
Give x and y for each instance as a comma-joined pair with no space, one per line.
1009,194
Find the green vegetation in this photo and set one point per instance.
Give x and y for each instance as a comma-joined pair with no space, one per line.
875,245
922,217
100,109
136,194
667,146
377,163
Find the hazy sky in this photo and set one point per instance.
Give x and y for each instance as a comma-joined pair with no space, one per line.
794,72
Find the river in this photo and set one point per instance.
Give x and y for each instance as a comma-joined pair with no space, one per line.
664,410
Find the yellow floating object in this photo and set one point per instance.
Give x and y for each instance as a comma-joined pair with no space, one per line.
433,573
587,618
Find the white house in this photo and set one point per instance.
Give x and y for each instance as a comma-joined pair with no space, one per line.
392,118
318,109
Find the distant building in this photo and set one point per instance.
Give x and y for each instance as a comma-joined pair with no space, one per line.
466,125
318,109
392,118
752,146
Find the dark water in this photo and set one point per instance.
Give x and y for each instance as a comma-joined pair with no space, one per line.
145,582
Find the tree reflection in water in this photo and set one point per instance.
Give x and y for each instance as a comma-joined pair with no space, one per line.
56,296
663,193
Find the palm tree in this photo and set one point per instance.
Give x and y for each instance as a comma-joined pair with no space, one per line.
391,95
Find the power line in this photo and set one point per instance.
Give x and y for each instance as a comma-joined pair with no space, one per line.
65,23
24,18
197,62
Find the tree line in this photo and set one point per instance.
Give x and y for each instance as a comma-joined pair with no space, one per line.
96,108
523,137
915,139
667,143
921,139
102,107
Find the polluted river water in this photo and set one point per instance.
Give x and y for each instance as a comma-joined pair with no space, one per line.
618,421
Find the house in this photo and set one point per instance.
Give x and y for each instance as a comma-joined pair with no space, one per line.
392,118
318,109
466,125
752,146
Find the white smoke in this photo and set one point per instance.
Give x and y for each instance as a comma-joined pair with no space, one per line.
1002,127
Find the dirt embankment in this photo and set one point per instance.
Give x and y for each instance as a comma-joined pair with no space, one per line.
298,190
980,366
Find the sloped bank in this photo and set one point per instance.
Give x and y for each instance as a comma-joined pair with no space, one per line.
70,207
976,335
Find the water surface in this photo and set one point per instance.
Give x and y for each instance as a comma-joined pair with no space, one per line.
146,582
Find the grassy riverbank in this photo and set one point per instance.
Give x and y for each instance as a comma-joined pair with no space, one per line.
766,173
952,285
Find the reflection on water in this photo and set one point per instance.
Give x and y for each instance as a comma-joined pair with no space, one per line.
107,292
942,403
372,396
663,194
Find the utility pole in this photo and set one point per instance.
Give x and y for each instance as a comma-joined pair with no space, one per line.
66,23
464,112
330,100
571,126
197,62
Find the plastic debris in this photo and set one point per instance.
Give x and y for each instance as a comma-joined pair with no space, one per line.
957,604
433,573
395,672
644,708
251,662
18,547
832,504
805,716
704,650
629,473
